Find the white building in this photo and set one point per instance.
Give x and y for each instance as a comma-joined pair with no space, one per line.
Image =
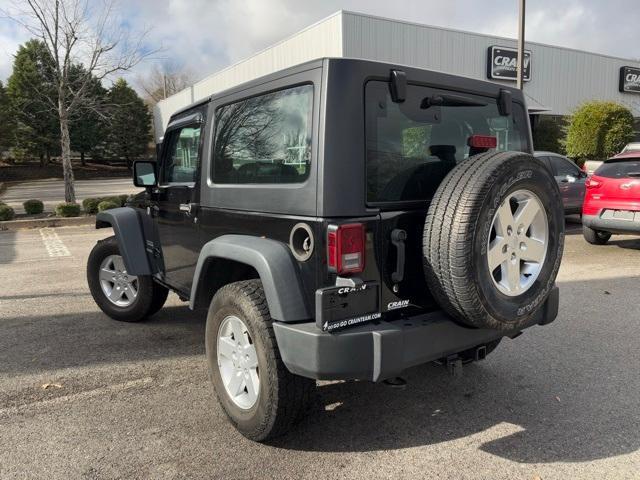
560,78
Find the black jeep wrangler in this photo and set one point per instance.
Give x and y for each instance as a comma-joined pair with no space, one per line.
342,219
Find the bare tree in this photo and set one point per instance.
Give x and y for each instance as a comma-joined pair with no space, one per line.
78,32
163,81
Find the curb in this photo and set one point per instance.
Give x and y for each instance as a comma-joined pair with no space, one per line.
47,222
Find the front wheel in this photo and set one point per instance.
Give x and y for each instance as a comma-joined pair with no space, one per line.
259,395
595,237
123,297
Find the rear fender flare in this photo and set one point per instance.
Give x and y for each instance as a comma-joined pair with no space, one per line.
275,266
129,232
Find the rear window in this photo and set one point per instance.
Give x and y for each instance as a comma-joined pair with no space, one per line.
619,169
411,146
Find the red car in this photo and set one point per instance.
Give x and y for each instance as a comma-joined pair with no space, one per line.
612,201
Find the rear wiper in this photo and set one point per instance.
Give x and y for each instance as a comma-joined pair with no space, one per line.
633,174
450,101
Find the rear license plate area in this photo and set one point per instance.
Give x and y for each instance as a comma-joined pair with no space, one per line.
342,307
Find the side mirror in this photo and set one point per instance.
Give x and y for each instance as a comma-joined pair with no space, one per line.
144,174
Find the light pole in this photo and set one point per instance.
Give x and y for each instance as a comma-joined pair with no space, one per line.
520,67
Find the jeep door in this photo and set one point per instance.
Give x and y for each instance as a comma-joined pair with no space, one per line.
177,200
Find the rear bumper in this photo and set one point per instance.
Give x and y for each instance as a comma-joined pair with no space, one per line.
612,225
385,349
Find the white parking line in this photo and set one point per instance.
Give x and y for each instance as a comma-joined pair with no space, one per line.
53,244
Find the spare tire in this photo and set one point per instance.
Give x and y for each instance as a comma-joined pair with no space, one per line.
493,240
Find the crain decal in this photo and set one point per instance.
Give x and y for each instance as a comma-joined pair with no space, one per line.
345,290
329,327
397,305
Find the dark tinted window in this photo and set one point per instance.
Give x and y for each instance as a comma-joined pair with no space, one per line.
619,169
265,139
563,167
183,160
411,147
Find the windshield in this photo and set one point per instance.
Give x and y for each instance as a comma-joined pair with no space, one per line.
619,169
411,146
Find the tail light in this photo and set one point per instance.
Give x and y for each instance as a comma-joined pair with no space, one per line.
345,248
592,183
482,141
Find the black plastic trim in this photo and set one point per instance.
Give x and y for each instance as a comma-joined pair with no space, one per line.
275,265
128,230
382,350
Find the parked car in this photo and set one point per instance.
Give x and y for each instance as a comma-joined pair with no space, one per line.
590,166
631,147
571,180
612,202
342,219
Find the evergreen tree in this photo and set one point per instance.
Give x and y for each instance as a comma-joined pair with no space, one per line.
7,125
88,125
129,123
32,98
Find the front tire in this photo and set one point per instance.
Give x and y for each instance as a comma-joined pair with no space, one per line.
261,398
595,237
123,297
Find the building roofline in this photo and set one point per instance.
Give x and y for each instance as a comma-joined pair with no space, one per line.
468,32
259,52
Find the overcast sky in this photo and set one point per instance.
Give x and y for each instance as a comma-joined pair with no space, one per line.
206,35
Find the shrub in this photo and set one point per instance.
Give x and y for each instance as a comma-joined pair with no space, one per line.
6,213
90,205
599,130
68,210
33,207
113,199
107,205
123,199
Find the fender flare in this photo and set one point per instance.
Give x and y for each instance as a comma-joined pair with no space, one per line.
129,232
275,266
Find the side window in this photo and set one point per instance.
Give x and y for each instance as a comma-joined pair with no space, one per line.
563,167
265,139
183,158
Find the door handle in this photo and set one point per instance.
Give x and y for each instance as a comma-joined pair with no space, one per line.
188,208
397,238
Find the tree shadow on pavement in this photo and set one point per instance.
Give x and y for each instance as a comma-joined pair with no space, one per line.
524,420
567,392
40,343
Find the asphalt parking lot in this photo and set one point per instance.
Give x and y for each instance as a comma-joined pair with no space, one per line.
83,396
